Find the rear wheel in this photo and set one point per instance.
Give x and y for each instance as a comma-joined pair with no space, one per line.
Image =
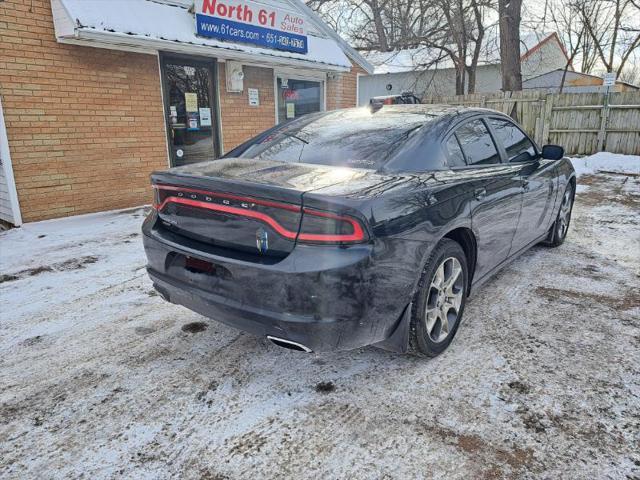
560,227
439,301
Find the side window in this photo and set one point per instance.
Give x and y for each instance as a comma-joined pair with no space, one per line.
477,144
519,148
455,157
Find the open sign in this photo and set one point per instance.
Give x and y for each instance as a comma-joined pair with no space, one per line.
290,95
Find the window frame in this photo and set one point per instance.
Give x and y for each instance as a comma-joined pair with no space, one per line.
211,64
453,130
307,76
501,148
447,154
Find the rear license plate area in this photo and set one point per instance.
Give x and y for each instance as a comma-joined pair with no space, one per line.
195,265
191,268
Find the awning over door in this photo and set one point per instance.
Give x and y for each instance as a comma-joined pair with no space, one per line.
149,26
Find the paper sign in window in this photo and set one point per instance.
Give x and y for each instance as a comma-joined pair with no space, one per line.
291,110
254,97
205,117
191,102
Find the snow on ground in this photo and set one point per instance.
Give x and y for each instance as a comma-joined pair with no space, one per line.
101,378
605,161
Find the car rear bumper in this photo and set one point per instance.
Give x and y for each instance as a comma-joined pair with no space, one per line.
325,298
319,335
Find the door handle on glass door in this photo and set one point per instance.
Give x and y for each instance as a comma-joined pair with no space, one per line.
480,193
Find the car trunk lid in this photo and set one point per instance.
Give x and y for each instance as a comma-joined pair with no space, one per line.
254,206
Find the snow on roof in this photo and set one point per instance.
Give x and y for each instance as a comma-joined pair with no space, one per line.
432,58
407,60
147,19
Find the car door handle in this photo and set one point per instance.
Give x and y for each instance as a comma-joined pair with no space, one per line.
480,193
525,185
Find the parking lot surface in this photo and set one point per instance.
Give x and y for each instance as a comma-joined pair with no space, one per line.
100,378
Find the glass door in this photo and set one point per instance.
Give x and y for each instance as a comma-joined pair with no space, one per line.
190,109
298,97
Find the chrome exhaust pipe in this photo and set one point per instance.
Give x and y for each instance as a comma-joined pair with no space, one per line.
162,292
281,342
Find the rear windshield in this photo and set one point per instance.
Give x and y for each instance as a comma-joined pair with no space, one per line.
357,138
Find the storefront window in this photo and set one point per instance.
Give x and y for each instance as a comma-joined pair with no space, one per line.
298,97
190,111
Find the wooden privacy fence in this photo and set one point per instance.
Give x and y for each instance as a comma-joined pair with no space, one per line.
583,123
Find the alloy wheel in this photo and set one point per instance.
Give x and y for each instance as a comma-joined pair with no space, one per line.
444,299
564,215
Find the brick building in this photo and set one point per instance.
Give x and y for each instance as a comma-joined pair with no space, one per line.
95,95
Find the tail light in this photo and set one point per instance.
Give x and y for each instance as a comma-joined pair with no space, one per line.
317,226
325,227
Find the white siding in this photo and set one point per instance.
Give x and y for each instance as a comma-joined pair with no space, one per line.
61,22
548,57
9,208
6,213
425,83
5,206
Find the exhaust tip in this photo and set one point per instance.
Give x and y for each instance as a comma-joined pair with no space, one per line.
162,292
281,342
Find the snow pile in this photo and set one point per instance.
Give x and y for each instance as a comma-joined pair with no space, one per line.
605,161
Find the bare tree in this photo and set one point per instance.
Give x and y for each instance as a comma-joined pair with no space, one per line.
435,30
588,52
510,12
614,30
599,34
561,15
462,39
631,74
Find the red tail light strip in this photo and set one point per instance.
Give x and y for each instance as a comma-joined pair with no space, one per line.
232,210
358,234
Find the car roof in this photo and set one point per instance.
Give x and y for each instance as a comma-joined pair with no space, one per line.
436,110
446,118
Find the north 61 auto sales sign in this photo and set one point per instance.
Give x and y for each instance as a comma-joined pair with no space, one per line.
251,22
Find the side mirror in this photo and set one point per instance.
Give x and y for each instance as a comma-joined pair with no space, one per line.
552,152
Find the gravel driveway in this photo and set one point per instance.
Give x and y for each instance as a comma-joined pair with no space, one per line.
99,378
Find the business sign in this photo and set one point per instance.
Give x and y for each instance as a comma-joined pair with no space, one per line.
245,21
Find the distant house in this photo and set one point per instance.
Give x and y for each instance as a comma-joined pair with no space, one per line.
574,82
427,72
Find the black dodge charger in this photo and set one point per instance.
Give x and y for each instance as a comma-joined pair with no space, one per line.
356,227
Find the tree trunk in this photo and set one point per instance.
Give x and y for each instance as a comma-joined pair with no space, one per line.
460,79
509,11
379,25
477,15
471,82
564,77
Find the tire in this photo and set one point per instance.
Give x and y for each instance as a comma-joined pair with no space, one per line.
428,335
560,228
